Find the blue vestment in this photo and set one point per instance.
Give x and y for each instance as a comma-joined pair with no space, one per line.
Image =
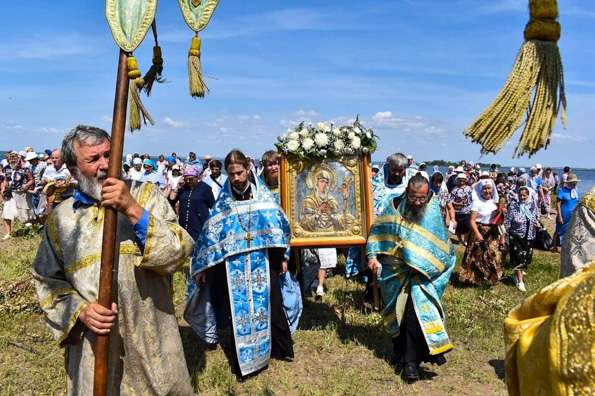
238,235
382,192
290,287
417,259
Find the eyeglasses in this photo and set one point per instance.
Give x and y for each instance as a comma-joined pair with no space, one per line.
418,200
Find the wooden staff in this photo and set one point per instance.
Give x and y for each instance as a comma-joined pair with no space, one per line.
110,223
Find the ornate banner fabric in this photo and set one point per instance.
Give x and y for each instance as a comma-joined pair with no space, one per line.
198,13
129,21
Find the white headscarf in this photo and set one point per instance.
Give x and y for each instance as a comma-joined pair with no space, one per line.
477,193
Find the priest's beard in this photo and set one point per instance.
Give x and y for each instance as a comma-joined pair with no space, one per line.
91,185
414,214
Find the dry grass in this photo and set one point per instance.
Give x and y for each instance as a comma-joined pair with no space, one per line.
341,349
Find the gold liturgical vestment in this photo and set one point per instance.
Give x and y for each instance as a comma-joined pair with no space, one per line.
146,355
550,339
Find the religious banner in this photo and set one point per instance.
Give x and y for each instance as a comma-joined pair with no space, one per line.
197,14
325,184
129,21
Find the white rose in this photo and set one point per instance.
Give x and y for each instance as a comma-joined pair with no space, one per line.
307,144
293,145
304,132
294,136
351,135
323,127
357,130
356,142
339,145
336,131
321,139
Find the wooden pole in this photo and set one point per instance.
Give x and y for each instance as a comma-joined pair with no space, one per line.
109,224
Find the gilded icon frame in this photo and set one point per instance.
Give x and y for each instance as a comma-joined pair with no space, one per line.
352,209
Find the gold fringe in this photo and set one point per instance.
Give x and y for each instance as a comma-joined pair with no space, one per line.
534,90
136,108
197,85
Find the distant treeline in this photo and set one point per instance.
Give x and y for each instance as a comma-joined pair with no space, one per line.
455,163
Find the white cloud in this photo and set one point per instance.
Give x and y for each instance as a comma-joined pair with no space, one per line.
570,138
10,125
173,123
53,130
306,113
388,122
250,117
47,47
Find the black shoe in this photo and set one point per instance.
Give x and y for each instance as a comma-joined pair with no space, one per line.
283,357
411,372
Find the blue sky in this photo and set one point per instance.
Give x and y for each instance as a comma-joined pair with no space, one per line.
416,71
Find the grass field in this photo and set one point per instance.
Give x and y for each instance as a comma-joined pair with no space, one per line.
341,349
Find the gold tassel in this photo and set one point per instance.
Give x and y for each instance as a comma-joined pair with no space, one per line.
136,108
154,73
198,87
534,89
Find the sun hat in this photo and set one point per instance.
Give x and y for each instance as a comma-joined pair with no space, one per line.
459,169
461,176
137,161
572,178
31,155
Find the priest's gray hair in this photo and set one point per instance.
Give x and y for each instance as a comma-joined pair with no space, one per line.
397,159
81,134
417,181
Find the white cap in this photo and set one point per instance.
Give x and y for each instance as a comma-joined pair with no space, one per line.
461,176
484,173
31,155
538,166
409,157
137,161
459,169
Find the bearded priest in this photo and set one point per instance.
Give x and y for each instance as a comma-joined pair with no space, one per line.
409,249
145,355
237,261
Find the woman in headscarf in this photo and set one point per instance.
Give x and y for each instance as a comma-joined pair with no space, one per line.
521,223
461,198
482,261
567,201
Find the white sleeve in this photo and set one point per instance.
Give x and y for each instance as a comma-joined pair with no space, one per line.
475,206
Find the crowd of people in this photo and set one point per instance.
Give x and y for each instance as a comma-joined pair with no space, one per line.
241,291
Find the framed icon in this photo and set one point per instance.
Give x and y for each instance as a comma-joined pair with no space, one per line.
327,201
